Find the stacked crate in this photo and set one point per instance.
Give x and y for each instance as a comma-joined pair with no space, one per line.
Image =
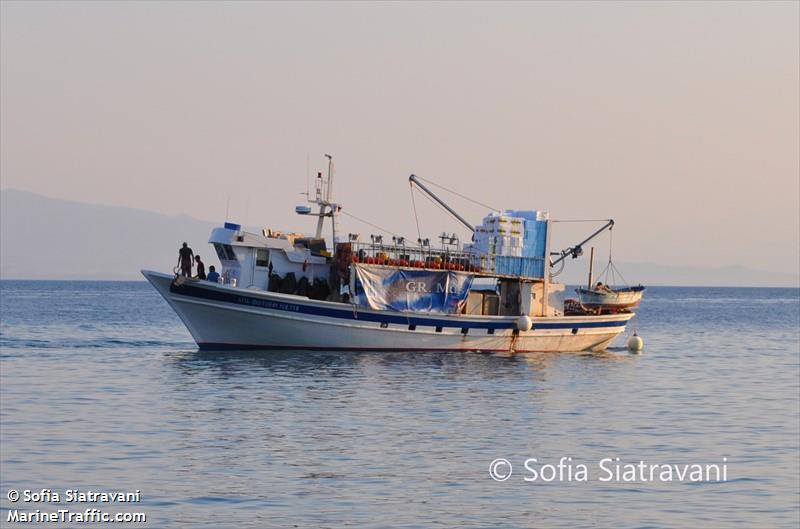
500,235
535,232
515,242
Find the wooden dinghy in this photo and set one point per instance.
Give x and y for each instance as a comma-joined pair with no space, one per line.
612,299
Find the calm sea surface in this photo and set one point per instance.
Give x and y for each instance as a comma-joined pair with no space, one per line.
101,388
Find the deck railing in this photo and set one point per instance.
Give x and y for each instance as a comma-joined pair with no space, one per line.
446,259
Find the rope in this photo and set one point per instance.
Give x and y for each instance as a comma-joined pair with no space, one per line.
602,275
556,273
614,269
416,217
624,282
458,194
610,262
611,271
610,242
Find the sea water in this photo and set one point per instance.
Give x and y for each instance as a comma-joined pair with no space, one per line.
102,390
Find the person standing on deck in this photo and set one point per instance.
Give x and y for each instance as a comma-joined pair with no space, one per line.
201,268
185,255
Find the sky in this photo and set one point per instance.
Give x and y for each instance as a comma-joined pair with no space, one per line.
679,120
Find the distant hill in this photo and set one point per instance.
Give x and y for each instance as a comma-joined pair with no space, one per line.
44,238
664,275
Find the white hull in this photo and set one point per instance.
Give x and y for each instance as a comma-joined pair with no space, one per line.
222,317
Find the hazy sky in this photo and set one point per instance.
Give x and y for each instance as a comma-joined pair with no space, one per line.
680,120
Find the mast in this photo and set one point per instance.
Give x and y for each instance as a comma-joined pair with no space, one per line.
322,206
323,197
330,182
591,266
547,279
331,205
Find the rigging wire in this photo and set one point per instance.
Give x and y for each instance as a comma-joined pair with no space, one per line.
581,220
458,194
384,230
438,205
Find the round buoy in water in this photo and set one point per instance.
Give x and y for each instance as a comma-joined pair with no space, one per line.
524,323
635,343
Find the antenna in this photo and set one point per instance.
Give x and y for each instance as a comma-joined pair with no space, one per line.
330,181
308,174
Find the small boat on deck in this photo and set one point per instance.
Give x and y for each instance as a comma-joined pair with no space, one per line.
291,291
602,298
611,299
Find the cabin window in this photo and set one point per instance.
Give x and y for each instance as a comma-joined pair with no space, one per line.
225,252
220,252
262,257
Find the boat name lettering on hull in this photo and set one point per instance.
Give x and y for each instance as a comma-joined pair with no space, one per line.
267,304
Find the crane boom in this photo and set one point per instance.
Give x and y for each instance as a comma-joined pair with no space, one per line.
577,250
414,180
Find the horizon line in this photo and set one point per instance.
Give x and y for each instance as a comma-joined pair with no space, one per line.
74,280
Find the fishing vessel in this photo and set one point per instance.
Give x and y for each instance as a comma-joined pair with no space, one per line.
291,291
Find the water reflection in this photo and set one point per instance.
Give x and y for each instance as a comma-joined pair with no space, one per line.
313,362
316,363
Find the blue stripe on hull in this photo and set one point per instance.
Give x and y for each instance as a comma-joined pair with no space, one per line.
193,291
207,346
